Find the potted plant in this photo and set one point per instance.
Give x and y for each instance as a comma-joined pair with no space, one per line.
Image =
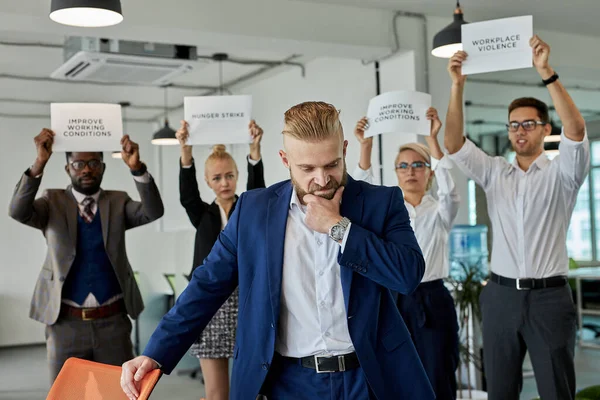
467,281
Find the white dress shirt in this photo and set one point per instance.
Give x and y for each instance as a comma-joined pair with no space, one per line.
432,219
529,211
313,317
90,300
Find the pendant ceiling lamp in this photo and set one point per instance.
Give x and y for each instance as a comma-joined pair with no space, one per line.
86,13
165,136
448,40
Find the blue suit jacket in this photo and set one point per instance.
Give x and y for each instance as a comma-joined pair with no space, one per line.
381,255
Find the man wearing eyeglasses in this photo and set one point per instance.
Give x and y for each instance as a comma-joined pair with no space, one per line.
86,288
527,303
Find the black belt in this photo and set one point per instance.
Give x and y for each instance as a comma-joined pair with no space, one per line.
530,283
327,364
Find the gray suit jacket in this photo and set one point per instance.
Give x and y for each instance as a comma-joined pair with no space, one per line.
55,214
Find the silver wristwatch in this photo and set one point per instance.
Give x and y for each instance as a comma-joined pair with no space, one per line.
337,231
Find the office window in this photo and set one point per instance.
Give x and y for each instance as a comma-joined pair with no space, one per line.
583,238
472,203
579,236
595,181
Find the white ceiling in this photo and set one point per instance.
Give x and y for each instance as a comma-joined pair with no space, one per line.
265,30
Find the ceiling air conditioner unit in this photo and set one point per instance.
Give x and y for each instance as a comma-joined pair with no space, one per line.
121,61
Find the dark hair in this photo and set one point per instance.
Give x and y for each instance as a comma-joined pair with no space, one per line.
69,153
539,105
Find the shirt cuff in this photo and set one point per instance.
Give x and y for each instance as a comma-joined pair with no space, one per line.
444,162
28,173
143,178
253,162
345,239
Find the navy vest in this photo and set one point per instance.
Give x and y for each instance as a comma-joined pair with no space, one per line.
91,271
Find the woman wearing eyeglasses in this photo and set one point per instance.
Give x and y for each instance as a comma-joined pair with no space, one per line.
429,312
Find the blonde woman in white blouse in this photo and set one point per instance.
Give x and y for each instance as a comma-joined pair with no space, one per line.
429,311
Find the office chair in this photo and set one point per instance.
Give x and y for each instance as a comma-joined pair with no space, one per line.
87,380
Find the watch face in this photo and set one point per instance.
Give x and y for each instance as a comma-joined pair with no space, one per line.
337,232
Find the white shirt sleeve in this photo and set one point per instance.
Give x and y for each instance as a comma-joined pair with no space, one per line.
363,175
143,179
475,163
448,197
253,162
346,233
574,158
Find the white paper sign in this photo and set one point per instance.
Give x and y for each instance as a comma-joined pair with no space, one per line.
86,126
497,45
399,112
218,119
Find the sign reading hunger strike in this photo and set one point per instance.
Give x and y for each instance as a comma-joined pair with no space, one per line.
399,112
86,126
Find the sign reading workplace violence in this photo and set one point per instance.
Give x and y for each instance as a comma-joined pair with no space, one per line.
399,112
86,126
497,45
218,119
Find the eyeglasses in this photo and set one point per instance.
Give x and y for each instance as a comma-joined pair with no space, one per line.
79,165
417,165
528,125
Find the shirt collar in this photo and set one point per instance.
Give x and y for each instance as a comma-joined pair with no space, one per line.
80,196
295,200
541,162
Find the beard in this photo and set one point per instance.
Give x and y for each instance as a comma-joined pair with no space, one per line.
331,187
87,189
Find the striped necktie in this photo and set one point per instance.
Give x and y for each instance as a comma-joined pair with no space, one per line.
87,213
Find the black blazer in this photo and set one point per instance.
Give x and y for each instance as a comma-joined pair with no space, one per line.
205,217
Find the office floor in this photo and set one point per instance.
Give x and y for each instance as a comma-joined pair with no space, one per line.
23,376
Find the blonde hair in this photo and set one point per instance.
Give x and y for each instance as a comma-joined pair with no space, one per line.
421,150
313,121
219,152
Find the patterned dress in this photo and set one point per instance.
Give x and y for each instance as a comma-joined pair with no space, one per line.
218,338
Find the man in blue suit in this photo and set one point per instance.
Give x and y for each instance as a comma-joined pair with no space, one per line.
316,259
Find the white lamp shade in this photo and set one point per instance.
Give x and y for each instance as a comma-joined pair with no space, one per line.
86,13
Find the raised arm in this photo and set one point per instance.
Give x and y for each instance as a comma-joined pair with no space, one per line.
256,171
151,207
471,160
392,258
189,194
453,136
363,171
571,118
448,197
24,207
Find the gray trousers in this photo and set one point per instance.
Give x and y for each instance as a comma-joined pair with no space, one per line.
541,321
105,340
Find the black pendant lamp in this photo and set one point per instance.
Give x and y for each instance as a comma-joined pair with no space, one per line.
165,136
448,40
86,13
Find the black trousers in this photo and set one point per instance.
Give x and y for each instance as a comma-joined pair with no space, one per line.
542,321
430,315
